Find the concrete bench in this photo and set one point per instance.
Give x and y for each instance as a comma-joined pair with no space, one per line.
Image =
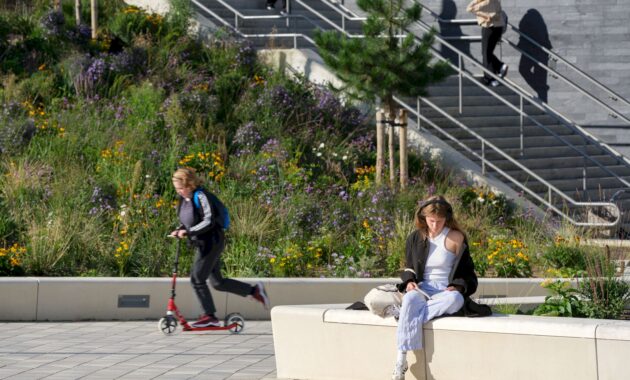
328,342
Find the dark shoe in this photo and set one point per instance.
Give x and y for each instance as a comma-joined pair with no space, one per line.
260,295
206,321
503,71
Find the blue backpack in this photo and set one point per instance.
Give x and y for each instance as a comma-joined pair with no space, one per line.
222,216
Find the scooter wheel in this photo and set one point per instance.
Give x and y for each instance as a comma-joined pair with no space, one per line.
167,325
237,320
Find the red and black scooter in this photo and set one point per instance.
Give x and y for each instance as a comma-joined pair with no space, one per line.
168,324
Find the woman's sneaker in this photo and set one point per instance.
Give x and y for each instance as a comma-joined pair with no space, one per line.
206,321
503,71
392,311
260,295
399,370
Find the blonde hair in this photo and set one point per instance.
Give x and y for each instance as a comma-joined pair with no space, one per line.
187,177
438,206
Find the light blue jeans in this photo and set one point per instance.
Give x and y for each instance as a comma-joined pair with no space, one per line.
415,311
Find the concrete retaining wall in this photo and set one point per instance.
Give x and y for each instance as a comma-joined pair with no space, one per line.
83,298
327,342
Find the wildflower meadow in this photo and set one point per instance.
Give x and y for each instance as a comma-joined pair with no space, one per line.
92,129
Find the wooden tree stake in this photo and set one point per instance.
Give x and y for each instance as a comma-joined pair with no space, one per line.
392,162
380,136
94,10
402,142
77,12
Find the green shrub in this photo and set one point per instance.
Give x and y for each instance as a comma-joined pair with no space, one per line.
565,258
563,301
605,295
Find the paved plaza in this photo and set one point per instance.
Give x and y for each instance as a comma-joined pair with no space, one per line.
133,350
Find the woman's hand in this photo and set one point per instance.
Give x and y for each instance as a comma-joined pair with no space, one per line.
178,233
454,288
411,286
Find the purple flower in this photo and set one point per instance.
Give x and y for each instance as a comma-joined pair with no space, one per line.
246,139
101,201
53,23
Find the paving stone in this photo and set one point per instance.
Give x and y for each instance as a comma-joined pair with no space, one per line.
132,350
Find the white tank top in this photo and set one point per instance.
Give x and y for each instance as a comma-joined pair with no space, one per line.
440,261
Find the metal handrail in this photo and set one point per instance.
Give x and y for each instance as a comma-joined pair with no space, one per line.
485,162
514,87
520,91
259,35
461,71
611,94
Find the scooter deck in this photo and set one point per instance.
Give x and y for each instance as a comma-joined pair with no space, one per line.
188,327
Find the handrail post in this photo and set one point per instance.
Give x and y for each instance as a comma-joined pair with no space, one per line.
236,20
418,112
343,22
584,177
460,75
521,125
288,10
483,157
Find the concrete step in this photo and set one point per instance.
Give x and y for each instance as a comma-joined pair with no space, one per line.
541,152
470,90
509,131
558,163
471,101
479,110
600,190
494,121
504,143
592,172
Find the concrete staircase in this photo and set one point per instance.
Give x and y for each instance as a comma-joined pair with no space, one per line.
573,170
544,154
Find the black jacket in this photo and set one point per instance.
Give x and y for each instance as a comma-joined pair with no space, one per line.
205,224
417,252
463,273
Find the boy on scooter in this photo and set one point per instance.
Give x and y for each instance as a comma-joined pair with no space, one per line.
200,226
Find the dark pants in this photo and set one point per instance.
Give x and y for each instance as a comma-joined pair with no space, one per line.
489,39
273,2
207,264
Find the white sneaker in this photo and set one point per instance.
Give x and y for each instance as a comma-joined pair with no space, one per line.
392,311
494,83
503,71
270,7
283,13
399,370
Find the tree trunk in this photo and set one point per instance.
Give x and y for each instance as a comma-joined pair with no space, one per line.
77,12
380,136
391,117
93,11
392,162
402,142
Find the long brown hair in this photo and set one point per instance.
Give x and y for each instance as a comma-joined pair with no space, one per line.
187,177
436,205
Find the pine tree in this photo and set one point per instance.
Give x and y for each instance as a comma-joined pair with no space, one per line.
384,62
